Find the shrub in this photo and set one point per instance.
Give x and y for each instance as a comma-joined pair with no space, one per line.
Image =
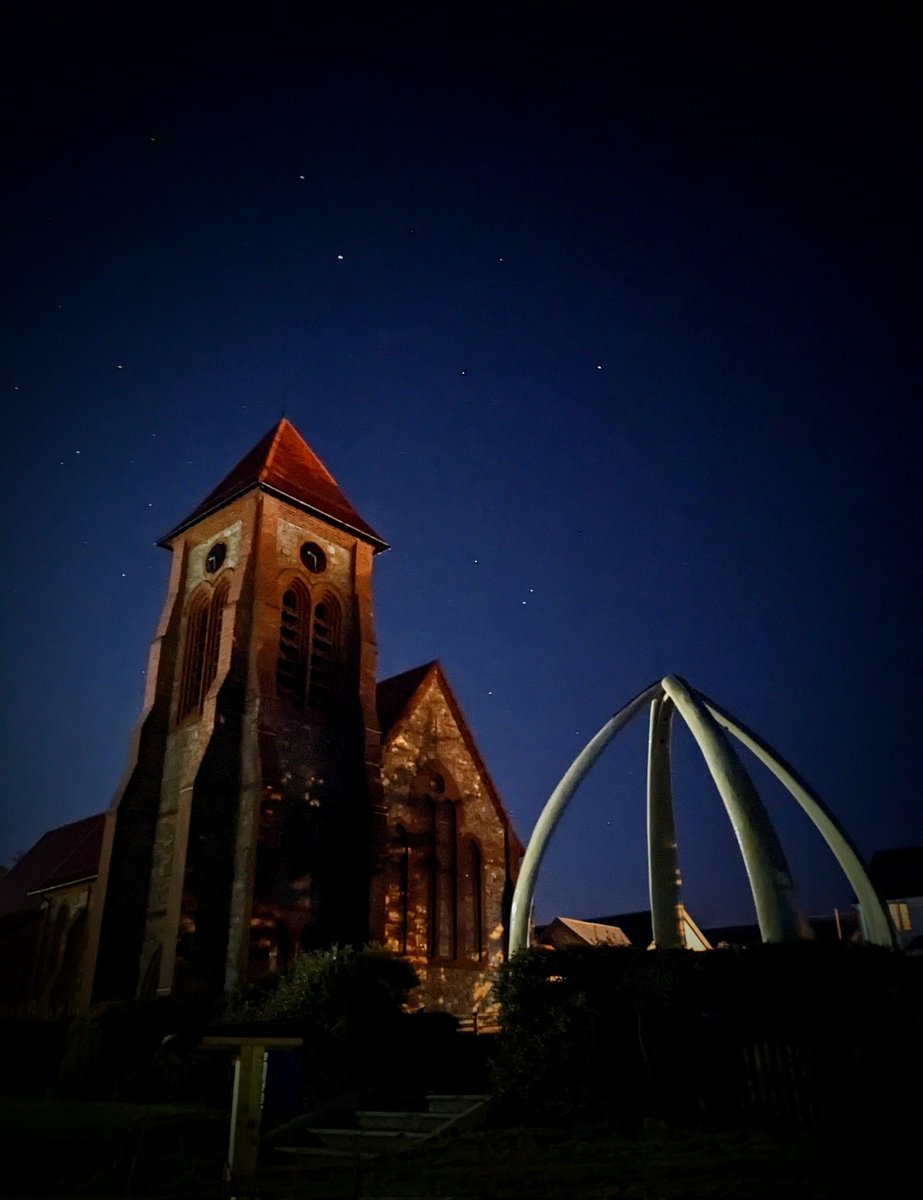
797,1032
568,1048
115,1051
347,1004
340,988
32,1053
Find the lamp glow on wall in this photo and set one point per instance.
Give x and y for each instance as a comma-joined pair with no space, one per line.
762,853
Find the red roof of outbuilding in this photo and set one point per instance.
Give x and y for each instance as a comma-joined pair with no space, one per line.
61,856
282,462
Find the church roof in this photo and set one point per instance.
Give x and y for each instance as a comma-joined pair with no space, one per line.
397,698
284,464
394,695
61,856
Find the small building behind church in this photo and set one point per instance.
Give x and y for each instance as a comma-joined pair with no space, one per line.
277,798
623,929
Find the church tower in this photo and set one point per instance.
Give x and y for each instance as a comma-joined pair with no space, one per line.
249,823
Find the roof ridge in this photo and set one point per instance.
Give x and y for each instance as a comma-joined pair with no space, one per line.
283,464
395,694
273,446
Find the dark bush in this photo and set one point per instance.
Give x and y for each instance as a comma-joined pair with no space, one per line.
347,1004
569,1049
799,1034
117,1051
31,1055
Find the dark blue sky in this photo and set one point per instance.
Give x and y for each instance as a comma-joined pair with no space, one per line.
610,327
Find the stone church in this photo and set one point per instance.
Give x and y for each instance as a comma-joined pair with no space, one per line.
277,797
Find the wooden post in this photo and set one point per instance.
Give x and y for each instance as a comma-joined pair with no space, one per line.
247,1109
252,1053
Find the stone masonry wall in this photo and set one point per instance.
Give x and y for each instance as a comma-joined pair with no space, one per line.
429,741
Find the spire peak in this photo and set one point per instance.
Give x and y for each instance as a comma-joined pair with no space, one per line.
283,464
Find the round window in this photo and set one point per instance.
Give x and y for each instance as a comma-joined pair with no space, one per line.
313,557
215,557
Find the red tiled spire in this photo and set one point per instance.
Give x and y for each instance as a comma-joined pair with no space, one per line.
283,463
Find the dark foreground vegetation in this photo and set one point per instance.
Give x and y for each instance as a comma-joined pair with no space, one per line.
797,1036
786,1070
71,1149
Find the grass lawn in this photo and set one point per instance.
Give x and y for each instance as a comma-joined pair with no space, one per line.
658,1166
68,1149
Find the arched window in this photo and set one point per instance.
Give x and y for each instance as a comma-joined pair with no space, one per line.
475,889
294,626
402,840
432,879
194,659
324,637
308,639
443,879
447,850
203,641
213,635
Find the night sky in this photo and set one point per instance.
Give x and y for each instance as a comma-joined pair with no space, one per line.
609,326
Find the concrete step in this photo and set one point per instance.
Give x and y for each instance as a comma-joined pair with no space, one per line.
386,1131
322,1152
405,1122
452,1105
371,1141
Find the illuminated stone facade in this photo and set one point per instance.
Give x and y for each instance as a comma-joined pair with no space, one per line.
451,850
267,808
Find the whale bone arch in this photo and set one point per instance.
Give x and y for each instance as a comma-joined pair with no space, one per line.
764,859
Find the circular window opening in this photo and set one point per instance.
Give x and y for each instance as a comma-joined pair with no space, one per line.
215,557
313,557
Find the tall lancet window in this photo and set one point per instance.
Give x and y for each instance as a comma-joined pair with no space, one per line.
402,840
294,629
443,879
213,636
432,879
475,888
324,637
446,851
203,641
194,657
